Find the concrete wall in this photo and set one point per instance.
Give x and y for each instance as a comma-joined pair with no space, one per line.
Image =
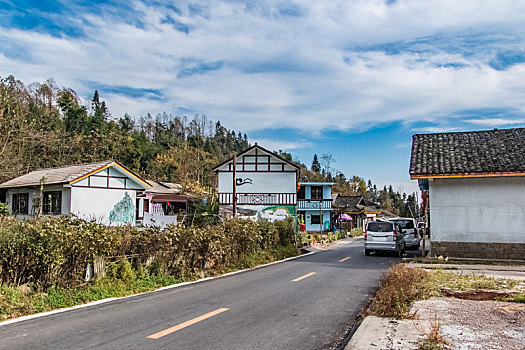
106,206
488,210
478,217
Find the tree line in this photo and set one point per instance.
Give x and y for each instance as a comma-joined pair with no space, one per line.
44,126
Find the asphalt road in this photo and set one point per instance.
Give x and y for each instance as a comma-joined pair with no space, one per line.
259,309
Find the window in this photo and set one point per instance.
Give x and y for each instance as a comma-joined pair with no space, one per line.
315,219
380,227
301,193
146,205
20,203
409,224
317,192
52,204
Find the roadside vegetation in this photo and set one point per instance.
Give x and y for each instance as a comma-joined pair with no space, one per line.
402,285
44,263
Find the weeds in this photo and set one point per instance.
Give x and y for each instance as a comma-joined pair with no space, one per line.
433,339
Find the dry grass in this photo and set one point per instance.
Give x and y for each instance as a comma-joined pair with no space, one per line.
402,285
399,288
433,338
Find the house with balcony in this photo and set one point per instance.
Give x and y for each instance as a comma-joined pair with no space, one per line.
261,185
314,205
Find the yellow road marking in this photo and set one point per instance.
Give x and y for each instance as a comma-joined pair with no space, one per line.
303,277
344,259
187,323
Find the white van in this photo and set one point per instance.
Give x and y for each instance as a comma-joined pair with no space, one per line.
410,231
384,235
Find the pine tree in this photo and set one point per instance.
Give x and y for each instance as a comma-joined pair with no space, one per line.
316,167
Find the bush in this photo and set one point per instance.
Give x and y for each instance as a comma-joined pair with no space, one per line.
56,251
356,232
4,210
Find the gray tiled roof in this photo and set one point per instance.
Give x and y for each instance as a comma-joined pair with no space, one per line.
54,175
482,152
164,187
348,202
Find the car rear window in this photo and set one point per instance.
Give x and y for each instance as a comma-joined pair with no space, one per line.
379,227
405,223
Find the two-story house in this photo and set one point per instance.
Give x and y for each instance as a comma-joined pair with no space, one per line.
314,205
265,185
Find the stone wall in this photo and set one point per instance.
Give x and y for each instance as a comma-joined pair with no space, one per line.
514,251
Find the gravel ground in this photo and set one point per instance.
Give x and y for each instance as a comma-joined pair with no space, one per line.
468,324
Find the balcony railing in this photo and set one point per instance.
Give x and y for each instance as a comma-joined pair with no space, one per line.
259,198
314,204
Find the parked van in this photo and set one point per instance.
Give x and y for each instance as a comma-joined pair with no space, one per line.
410,231
384,235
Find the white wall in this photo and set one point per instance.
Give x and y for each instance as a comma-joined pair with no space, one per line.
478,210
97,203
267,182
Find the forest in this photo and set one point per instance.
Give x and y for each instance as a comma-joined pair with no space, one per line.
42,126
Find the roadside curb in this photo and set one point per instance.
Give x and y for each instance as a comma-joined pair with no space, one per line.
107,300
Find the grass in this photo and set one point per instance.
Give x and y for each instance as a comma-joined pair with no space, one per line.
16,301
402,285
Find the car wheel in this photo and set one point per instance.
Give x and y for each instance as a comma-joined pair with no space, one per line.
367,252
401,252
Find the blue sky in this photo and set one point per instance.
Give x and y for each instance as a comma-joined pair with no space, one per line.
352,78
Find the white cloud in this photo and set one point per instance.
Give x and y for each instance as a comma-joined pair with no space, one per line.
282,71
276,145
495,121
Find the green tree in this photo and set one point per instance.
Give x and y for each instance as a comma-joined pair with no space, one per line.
316,167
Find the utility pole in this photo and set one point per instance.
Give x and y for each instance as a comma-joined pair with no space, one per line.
320,220
234,186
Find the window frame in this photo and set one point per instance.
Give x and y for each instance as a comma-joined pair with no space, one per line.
15,205
50,204
318,192
312,219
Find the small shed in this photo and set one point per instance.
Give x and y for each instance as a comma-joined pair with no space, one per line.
475,182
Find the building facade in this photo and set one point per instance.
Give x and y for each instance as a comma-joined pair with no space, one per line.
265,185
475,182
314,205
104,192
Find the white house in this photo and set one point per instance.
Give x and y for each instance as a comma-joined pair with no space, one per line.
476,190
266,185
103,191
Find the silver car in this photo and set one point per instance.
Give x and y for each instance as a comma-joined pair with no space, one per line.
410,231
385,236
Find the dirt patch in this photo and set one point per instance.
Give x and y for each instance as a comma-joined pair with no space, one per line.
472,325
477,294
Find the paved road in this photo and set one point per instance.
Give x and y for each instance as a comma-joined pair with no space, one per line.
259,309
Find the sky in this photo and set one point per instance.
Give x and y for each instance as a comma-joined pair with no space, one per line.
351,78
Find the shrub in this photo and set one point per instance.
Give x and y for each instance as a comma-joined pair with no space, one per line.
4,210
55,252
356,232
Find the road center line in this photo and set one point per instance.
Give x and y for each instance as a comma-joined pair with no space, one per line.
187,323
344,259
303,277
